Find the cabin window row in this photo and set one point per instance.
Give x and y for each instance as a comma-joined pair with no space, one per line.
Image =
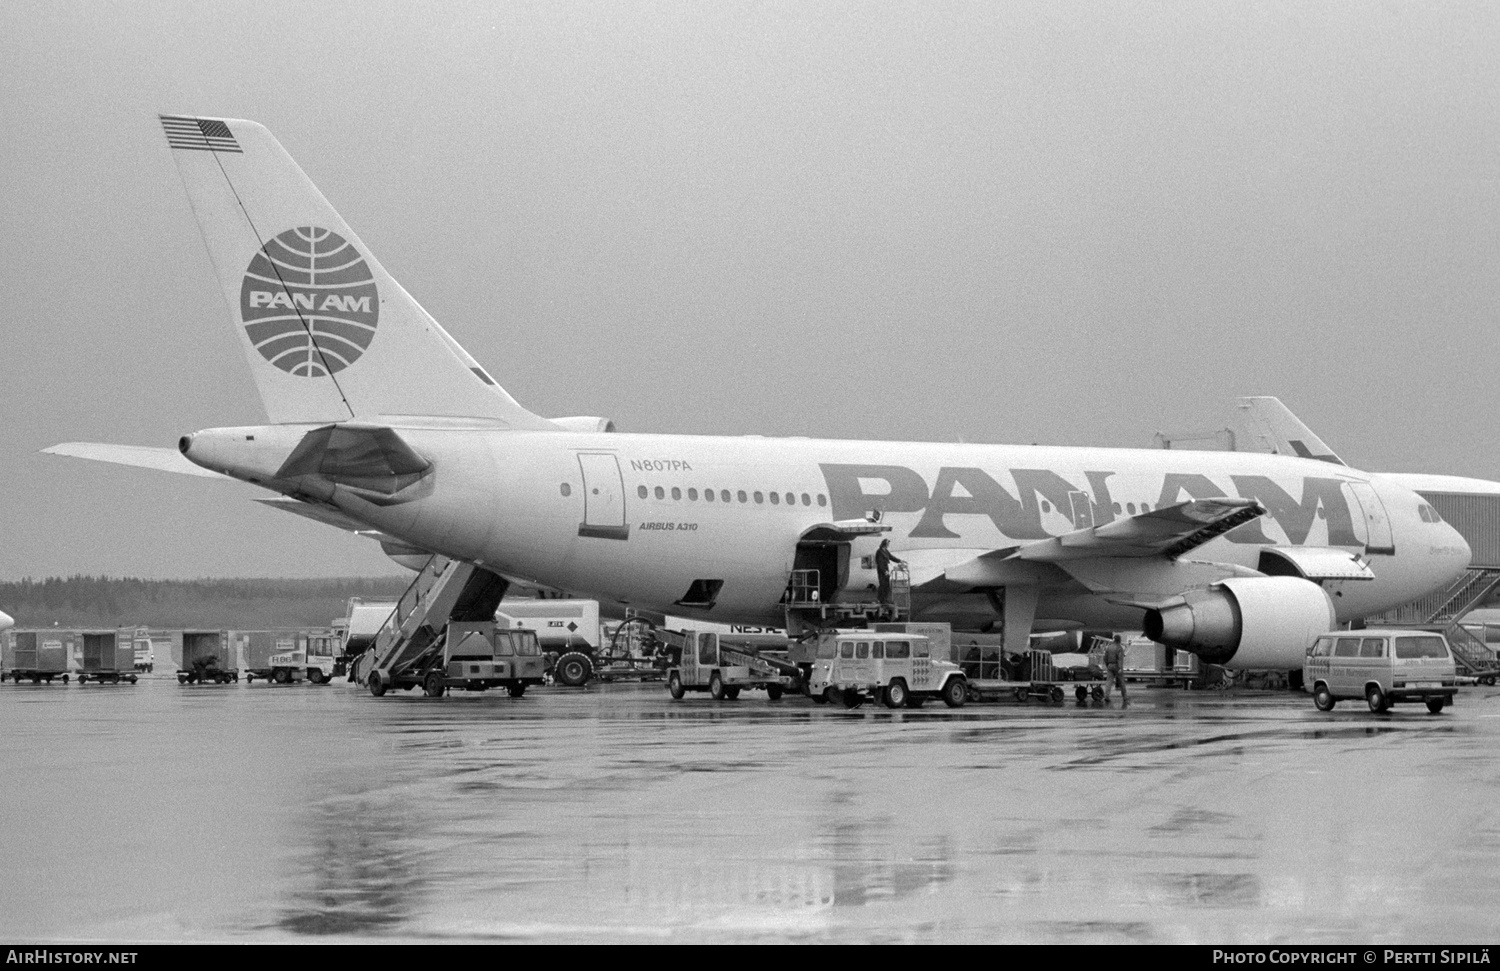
724,495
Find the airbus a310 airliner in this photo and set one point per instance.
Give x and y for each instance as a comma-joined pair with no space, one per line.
380,421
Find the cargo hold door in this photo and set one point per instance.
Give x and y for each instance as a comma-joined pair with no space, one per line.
603,497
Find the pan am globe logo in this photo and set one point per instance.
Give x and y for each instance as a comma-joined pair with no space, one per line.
309,302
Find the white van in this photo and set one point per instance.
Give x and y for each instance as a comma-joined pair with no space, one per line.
1383,667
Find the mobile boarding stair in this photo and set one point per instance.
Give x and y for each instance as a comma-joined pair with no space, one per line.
1473,657
1444,611
414,634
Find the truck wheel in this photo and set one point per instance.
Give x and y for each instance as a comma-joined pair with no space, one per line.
716,689
955,693
573,669
316,676
773,691
1057,694
1097,693
852,698
281,676
433,686
515,690
895,694
674,686
376,684
1435,705
1375,698
83,679
1323,698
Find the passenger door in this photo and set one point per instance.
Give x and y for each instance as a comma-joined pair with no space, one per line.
603,497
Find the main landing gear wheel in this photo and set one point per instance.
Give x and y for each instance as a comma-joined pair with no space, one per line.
573,669
516,690
1435,705
376,684
732,692
914,700
773,692
955,693
674,686
895,694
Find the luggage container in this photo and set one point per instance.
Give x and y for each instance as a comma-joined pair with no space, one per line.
279,656
206,657
37,655
108,656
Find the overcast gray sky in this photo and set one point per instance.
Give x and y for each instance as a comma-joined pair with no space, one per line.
995,222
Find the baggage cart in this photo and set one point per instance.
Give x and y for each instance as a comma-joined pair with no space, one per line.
206,658
37,656
108,657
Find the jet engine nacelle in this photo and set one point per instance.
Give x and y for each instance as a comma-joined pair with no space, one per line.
584,423
1247,622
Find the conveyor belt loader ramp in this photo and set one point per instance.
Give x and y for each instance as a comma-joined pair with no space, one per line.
443,590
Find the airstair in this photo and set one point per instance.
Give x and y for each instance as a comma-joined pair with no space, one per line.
1445,610
444,590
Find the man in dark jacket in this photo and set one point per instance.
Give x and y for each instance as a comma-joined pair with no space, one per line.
883,560
1114,669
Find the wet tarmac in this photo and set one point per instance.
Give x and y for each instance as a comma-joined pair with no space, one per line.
231,813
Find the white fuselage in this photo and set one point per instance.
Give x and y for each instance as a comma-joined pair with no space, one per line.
627,519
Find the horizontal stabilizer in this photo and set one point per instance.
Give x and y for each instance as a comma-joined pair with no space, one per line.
139,456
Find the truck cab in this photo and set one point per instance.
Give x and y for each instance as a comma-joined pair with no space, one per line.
895,668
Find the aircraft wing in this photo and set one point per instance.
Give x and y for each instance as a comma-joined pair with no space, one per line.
1162,534
139,456
1169,532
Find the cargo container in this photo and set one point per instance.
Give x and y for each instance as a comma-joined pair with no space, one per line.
279,656
37,655
108,655
206,656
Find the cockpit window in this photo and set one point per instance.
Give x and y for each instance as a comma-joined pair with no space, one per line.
1428,514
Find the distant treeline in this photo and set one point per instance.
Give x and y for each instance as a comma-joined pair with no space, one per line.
244,604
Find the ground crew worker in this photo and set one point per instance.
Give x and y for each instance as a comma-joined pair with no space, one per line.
883,560
1114,669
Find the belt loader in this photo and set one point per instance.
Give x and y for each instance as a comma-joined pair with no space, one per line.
725,664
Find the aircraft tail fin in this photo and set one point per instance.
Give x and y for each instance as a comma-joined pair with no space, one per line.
328,334
1274,428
